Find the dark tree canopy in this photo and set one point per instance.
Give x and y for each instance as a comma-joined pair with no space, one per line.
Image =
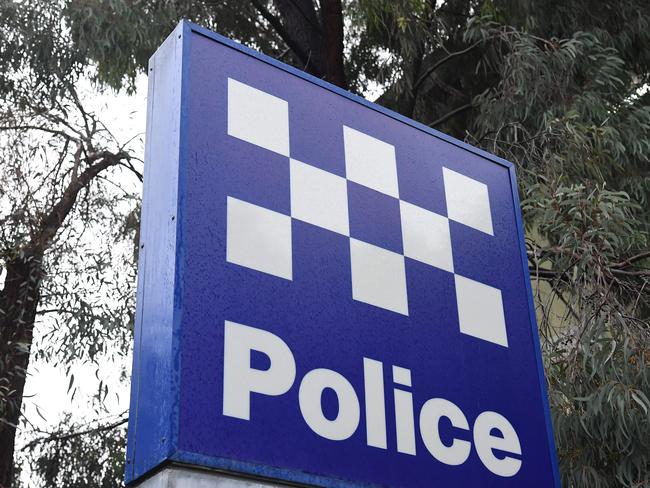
559,87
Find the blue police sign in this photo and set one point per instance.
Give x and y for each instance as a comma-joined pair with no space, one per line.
329,293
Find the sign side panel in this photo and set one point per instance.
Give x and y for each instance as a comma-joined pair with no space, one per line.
152,389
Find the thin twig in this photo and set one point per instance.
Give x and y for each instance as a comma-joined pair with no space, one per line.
58,437
449,115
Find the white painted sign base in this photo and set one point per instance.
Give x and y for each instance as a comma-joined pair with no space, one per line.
181,477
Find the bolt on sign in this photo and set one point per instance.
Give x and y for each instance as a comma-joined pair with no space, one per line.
329,293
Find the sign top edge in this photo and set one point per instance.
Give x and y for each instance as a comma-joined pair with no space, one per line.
192,27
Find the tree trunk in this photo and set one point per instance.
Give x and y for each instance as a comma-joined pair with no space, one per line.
315,37
332,41
302,24
18,302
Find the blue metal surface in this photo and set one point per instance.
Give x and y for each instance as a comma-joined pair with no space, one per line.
187,289
152,420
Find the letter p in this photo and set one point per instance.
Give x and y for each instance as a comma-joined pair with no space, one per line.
240,380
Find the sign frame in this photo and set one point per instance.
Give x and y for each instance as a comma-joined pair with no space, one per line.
153,424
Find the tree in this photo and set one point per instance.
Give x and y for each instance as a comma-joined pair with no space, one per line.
54,194
56,190
558,87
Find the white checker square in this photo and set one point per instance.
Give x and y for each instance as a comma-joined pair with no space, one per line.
378,277
480,311
319,198
468,201
401,376
425,236
258,117
259,238
370,162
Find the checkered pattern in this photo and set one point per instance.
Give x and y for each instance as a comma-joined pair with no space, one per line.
260,239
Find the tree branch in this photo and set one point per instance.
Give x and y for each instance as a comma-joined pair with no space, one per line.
57,437
281,31
40,128
303,25
427,73
641,272
449,115
311,20
53,220
131,168
545,274
632,260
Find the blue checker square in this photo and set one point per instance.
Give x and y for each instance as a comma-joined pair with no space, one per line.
421,181
322,149
374,217
329,294
258,176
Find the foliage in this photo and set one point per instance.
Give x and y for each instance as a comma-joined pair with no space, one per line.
66,260
597,355
78,456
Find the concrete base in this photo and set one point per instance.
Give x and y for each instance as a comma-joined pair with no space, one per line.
182,477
